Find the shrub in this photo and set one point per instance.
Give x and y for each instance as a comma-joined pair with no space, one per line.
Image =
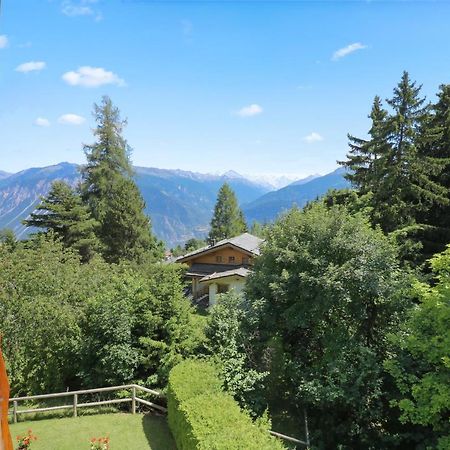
202,416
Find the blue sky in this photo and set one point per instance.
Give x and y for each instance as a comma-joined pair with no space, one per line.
254,86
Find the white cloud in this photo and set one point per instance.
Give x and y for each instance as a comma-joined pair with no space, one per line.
313,137
3,41
186,27
88,76
31,66
71,119
42,122
338,54
80,8
250,110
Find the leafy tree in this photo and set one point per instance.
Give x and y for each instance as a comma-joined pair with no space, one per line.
8,238
39,282
112,195
63,213
68,324
228,219
325,293
226,344
194,244
258,229
422,366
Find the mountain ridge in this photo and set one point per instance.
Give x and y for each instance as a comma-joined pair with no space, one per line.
180,203
272,204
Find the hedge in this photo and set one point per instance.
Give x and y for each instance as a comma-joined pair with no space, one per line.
204,417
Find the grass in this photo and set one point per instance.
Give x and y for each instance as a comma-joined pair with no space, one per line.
126,432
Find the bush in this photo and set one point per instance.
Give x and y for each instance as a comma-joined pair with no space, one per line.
202,416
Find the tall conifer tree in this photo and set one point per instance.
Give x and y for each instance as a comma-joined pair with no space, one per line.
365,158
64,213
228,219
111,193
436,234
397,166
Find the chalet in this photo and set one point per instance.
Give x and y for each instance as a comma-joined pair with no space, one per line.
218,268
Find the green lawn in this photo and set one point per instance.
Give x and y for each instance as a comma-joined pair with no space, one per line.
126,431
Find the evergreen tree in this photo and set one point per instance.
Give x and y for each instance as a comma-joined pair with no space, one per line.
126,229
63,213
111,193
436,234
405,187
228,219
365,156
398,168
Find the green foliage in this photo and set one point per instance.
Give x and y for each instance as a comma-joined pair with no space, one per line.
8,238
63,213
194,244
68,324
39,305
422,367
226,345
112,195
190,245
258,229
228,219
404,167
126,229
201,416
325,293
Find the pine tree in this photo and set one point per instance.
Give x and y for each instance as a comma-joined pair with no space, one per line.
437,233
126,227
228,219
365,157
404,186
64,213
111,193
399,169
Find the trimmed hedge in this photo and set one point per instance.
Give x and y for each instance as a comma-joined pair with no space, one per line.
204,417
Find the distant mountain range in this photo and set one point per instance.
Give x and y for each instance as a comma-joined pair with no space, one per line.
270,205
180,203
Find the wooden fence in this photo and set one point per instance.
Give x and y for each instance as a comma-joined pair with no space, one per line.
133,399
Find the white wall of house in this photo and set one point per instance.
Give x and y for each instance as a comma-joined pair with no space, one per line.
236,283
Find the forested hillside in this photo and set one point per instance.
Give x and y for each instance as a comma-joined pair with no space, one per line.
180,203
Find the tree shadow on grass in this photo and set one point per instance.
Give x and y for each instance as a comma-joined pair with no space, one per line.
157,432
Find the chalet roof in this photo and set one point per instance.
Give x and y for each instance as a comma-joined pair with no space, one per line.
246,241
200,270
240,272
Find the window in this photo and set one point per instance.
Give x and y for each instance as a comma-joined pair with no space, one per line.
245,260
218,259
231,259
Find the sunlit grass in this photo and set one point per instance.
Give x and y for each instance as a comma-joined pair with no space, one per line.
126,432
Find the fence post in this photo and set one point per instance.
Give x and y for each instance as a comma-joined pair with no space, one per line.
306,429
15,411
75,404
133,400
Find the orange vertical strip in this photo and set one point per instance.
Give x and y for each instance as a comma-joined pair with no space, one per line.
5,437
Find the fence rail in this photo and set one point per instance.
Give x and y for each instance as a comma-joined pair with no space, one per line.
134,400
